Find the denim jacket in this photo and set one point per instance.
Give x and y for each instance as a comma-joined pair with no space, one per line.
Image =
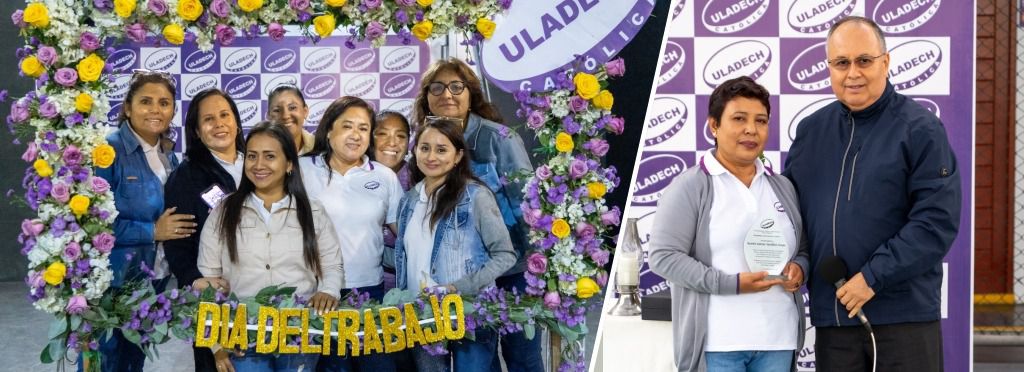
139,197
497,153
471,246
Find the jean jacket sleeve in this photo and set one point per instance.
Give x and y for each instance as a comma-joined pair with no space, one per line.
496,240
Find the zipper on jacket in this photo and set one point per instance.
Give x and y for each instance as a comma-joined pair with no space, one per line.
853,168
835,207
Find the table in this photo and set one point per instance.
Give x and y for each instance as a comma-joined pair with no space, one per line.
628,343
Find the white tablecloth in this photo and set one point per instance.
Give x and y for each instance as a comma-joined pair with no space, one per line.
627,344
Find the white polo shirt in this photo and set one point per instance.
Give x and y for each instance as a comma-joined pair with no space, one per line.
750,321
358,202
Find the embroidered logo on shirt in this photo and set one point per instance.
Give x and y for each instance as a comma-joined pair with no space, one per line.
372,185
778,207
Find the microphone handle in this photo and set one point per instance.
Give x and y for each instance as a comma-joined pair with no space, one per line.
860,313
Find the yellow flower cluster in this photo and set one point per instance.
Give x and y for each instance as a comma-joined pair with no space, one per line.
83,103
485,27
325,25
55,273
423,30
43,168
36,15
588,87
124,8
604,100
90,68
563,142
596,190
560,228
336,3
79,205
174,34
31,67
250,5
190,10
424,3
586,287
103,156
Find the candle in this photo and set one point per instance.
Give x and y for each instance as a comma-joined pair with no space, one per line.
627,271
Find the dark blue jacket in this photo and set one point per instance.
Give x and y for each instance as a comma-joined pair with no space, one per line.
139,198
880,188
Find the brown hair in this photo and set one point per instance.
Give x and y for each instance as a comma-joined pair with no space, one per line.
444,199
477,104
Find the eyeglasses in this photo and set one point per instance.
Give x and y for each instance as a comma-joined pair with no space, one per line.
139,72
843,63
433,119
437,88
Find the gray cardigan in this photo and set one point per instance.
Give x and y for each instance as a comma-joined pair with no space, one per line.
680,251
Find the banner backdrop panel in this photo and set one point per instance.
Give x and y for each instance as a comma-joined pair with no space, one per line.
248,70
781,44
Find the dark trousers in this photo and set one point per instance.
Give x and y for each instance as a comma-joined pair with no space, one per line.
901,347
521,354
378,362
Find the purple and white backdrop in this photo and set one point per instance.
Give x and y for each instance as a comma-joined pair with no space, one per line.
781,45
249,69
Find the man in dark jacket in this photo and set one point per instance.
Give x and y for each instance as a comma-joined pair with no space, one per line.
879,187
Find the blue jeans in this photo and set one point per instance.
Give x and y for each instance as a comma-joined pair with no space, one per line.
376,362
255,362
521,354
753,361
468,356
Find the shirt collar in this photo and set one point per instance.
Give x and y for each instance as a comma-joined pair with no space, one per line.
257,203
240,157
710,165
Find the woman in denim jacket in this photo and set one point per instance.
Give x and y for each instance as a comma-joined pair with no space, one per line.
144,159
450,235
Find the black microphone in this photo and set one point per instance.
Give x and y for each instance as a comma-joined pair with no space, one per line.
833,269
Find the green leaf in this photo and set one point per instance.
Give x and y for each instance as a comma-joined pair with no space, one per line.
132,336
58,328
57,349
44,357
530,330
76,321
161,328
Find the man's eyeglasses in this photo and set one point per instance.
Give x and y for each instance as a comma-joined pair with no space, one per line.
139,72
843,63
437,88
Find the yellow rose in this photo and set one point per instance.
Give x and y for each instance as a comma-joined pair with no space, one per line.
124,8
485,27
31,67
596,190
250,5
90,68
79,204
83,103
586,287
42,168
423,30
563,142
336,3
174,34
190,10
324,25
103,156
604,100
586,85
37,15
424,3
560,228
55,273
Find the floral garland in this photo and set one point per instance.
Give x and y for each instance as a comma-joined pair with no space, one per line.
564,203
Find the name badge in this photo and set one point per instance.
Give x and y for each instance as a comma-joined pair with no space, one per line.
213,195
765,249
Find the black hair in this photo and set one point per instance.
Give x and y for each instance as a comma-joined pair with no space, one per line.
233,204
445,199
142,78
286,88
195,151
742,86
478,104
322,144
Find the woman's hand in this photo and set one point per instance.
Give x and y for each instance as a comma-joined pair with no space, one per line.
323,302
795,277
217,283
172,225
755,282
223,361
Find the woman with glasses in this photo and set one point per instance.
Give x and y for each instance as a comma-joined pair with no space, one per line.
212,169
496,154
360,196
268,233
288,107
144,158
450,235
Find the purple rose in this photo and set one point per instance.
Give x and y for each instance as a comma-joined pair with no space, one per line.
136,32
30,153
401,16
220,8
532,217
535,119
77,305
578,104
600,256
276,31
611,217
598,146
66,76
99,185
35,280
405,2
103,242
616,125
72,155
543,172
72,251
374,29
31,227
18,18
601,279
225,34
552,300
61,192
372,4
158,7
19,111
298,4
88,42
577,168
47,55
537,263
615,67
585,230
